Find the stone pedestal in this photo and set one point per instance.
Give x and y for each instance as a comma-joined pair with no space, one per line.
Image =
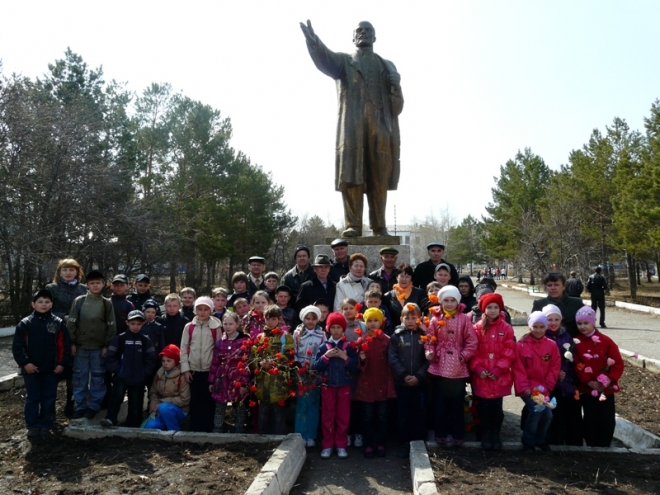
370,247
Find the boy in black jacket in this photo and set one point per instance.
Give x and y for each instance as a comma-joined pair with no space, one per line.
173,320
40,348
131,357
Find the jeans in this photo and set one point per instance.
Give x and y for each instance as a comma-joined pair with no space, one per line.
41,392
308,412
374,423
88,392
240,409
135,402
272,419
169,417
599,302
536,425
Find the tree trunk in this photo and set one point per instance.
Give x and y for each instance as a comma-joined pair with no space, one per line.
173,277
632,278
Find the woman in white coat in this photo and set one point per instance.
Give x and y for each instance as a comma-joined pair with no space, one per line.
355,284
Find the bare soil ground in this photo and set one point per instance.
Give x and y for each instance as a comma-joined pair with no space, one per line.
63,466
639,400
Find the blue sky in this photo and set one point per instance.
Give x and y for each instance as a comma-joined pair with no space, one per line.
481,79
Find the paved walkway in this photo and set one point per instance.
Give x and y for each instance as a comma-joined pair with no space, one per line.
631,330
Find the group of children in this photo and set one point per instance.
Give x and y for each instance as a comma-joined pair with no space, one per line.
344,368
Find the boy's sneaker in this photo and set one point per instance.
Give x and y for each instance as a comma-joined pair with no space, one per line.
107,423
326,453
91,413
342,454
310,443
369,453
79,413
358,441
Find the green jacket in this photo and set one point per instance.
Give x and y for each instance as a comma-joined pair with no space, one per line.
91,321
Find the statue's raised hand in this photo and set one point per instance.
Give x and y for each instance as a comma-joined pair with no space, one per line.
308,31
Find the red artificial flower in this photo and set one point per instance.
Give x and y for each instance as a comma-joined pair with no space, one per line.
358,307
302,371
354,345
289,381
411,307
433,299
238,384
291,352
292,393
240,365
358,331
364,347
423,338
442,323
434,338
378,333
273,371
252,403
281,402
309,352
426,320
253,388
278,355
370,339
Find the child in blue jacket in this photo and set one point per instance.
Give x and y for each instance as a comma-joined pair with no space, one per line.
337,362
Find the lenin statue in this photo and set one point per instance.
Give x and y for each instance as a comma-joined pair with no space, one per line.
368,143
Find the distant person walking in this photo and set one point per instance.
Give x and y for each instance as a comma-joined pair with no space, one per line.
597,287
574,286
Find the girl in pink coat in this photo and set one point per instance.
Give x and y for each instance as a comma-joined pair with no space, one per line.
491,368
535,373
450,343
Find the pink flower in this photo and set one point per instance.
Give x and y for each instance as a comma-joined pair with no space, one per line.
602,398
595,356
588,369
615,387
610,362
594,393
603,379
596,339
588,356
636,355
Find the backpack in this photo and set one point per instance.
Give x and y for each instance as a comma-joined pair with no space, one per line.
190,332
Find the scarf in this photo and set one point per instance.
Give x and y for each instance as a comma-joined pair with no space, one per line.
402,294
449,314
354,279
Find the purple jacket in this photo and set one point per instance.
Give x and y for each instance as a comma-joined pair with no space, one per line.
566,387
225,371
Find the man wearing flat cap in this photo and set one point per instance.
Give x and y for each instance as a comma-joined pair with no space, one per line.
319,287
424,272
339,267
300,273
386,274
256,267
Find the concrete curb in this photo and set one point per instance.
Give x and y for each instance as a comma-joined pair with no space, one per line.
10,381
281,471
421,471
635,436
513,446
640,361
636,307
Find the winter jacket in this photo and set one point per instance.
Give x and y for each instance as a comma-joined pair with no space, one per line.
231,300
386,283
348,289
228,368
561,337
188,312
306,343
336,372
394,305
406,354
43,340
138,300
313,290
174,326
537,363
375,382
338,271
495,354
454,344
272,388
170,387
597,285
91,322
132,356
568,306
253,324
294,279
64,295
198,344
590,357
122,307
425,272
156,332
574,287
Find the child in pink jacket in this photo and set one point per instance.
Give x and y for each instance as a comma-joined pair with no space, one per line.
491,368
450,343
535,373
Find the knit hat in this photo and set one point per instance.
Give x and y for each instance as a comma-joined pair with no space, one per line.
449,291
551,309
490,298
45,293
171,351
204,301
335,319
299,248
585,313
310,309
537,317
150,303
372,313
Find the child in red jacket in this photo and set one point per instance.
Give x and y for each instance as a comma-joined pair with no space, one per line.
491,368
599,366
535,373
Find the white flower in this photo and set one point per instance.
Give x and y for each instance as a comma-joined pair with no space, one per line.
569,355
567,346
577,341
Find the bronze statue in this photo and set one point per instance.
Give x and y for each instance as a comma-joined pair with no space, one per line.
368,143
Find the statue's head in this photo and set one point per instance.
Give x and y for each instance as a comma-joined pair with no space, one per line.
364,35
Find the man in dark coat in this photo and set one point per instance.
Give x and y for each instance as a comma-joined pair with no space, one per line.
386,274
368,141
339,268
319,287
555,285
574,285
425,271
300,273
597,287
